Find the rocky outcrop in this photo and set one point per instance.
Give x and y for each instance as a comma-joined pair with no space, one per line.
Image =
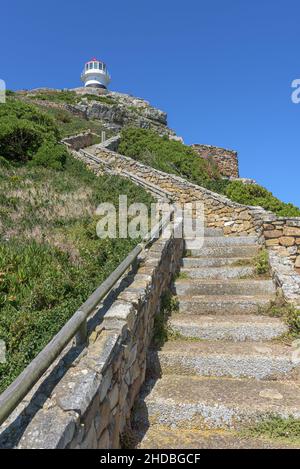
114,110
123,110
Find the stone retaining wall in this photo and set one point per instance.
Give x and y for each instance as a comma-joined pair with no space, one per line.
234,218
90,404
225,160
283,236
75,142
111,143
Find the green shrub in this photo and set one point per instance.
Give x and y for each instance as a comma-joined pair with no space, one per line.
253,194
275,427
167,155
65,96
293,320
262,265
14,108
63,116
51,155
23,129
19,139
4,163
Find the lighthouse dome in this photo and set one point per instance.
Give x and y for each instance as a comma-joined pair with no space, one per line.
95,74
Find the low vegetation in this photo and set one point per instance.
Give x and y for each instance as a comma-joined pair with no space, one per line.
63,96
161,330
69,97
26,133
289,313
261,262
253,194
50,256
167,155
175,158
71,124
287,430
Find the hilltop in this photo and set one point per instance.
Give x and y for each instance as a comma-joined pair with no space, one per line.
105,110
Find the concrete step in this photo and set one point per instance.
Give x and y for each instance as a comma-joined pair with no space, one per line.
223,287
199,403
163,437
223,304
210,232
236,328
242,251
226,272
188,262
219,241
259,360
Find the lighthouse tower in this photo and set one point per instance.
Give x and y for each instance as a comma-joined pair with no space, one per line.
95,74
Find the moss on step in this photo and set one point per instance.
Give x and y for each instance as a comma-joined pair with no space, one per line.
261,262
182,276
279,308
276,428
161,330
242,263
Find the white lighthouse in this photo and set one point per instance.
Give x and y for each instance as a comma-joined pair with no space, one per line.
95,74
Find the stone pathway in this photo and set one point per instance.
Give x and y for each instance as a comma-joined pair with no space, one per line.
223,369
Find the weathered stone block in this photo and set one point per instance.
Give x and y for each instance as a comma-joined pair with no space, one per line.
103,442
286,241
102,417
273,234
113,396
105,384
120,311
272,242
50,429
77,390
291,231
90,440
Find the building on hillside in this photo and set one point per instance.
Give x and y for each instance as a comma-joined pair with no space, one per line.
95,74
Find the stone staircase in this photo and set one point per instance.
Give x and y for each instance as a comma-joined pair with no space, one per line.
224,367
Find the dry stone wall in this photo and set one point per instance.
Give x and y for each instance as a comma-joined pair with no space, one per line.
235,219
75,142
279,235
225,160
282,238
90,404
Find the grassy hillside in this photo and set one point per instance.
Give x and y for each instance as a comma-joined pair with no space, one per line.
66,122
69,124
176,158
50,256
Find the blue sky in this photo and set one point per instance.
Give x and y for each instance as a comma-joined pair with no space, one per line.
222,69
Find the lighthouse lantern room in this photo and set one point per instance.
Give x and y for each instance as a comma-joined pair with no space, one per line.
95,74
